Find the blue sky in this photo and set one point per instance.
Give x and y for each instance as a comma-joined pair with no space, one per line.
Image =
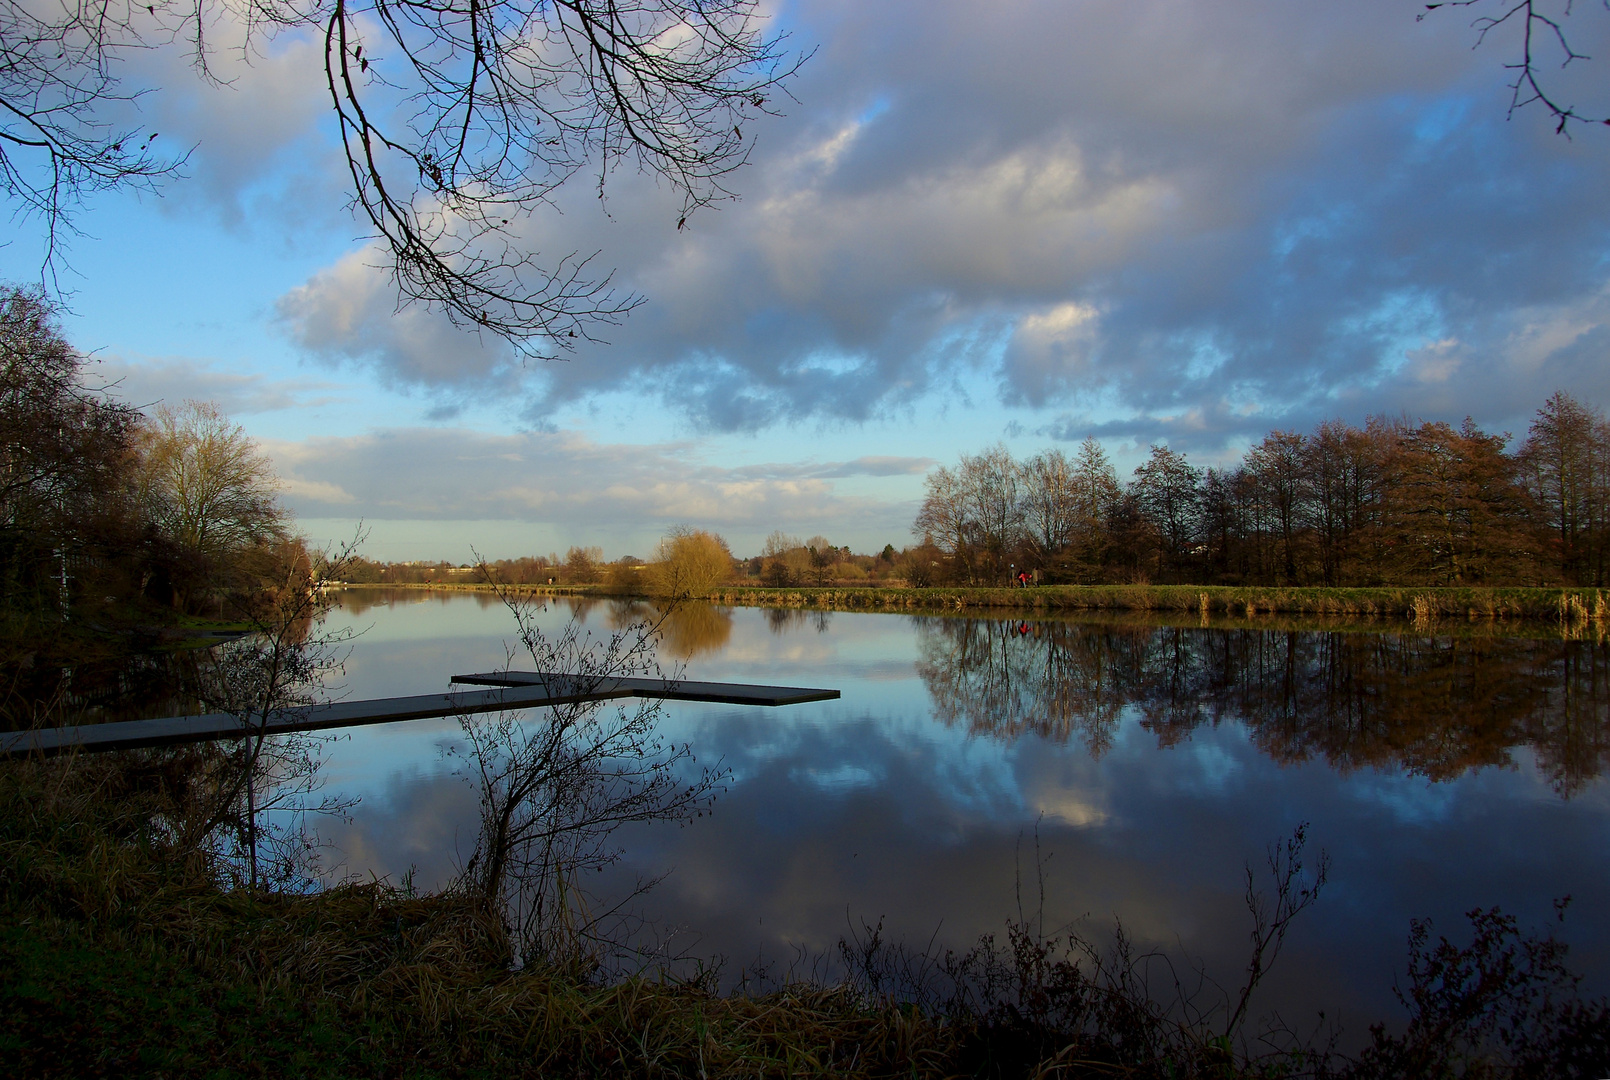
1151,220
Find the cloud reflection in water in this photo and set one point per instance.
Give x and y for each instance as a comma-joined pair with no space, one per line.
1156,761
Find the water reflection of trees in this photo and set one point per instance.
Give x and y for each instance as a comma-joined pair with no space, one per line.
687,630
782,621
99,682
358,601
1436,706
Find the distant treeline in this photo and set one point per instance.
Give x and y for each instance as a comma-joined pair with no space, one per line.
579,566
785,561
1391,503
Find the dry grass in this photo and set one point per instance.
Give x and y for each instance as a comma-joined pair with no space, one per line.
424,978
120,955
1558,606
118,948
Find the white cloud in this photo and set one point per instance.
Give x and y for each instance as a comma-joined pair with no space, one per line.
1206,210
147,381
568,481
250,126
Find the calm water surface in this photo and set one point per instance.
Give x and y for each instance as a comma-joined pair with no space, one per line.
1440,773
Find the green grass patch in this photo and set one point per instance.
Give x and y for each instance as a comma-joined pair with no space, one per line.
1395,603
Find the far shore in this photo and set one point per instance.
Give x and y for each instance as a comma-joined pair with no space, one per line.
1570,607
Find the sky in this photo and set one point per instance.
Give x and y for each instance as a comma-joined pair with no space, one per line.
1179,221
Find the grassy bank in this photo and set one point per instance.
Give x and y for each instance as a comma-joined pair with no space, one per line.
121,956
1418,604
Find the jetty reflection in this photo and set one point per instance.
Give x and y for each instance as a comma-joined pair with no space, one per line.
1434,705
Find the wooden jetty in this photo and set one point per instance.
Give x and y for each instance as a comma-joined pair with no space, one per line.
508,690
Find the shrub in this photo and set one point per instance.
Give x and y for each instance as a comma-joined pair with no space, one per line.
689,562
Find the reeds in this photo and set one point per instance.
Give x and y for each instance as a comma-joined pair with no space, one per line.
122,955
421,985
419,981
1554,605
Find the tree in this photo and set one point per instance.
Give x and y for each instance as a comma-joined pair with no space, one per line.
582,563
1565,461
1226,529
208,486
1096,492
459,121
56,75
66,458
974,514
1096,484
1166,494
823,556
992,483
259,788
1541,38
1277,465
689,562
1456,509
554,788
942,521
1050,502
1345,470
784,560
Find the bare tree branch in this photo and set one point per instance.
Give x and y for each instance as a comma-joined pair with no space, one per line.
56,75
1540,33
460,120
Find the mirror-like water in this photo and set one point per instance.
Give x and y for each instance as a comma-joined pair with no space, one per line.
1440,773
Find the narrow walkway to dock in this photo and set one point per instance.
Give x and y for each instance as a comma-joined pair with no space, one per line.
509,690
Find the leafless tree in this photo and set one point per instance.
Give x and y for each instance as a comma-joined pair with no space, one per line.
65,499
209,487
975,513
1167,490
57,78
1279,467
1565,463
1541,28
460,120
258,791
1050,501
689,562
555,786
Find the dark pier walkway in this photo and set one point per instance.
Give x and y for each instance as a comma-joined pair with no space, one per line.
509,690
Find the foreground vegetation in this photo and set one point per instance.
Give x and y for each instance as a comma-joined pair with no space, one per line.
123,955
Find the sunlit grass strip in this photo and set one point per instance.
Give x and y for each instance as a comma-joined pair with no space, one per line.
1573,608
1414,603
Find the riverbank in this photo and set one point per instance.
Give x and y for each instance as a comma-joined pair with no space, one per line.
122,955
124,951
1568,606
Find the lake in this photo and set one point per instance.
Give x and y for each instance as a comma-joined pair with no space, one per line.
1440,772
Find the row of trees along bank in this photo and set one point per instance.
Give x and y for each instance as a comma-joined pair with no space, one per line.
785,561
115,526
1389,503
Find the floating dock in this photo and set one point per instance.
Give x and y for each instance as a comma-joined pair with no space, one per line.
508,690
